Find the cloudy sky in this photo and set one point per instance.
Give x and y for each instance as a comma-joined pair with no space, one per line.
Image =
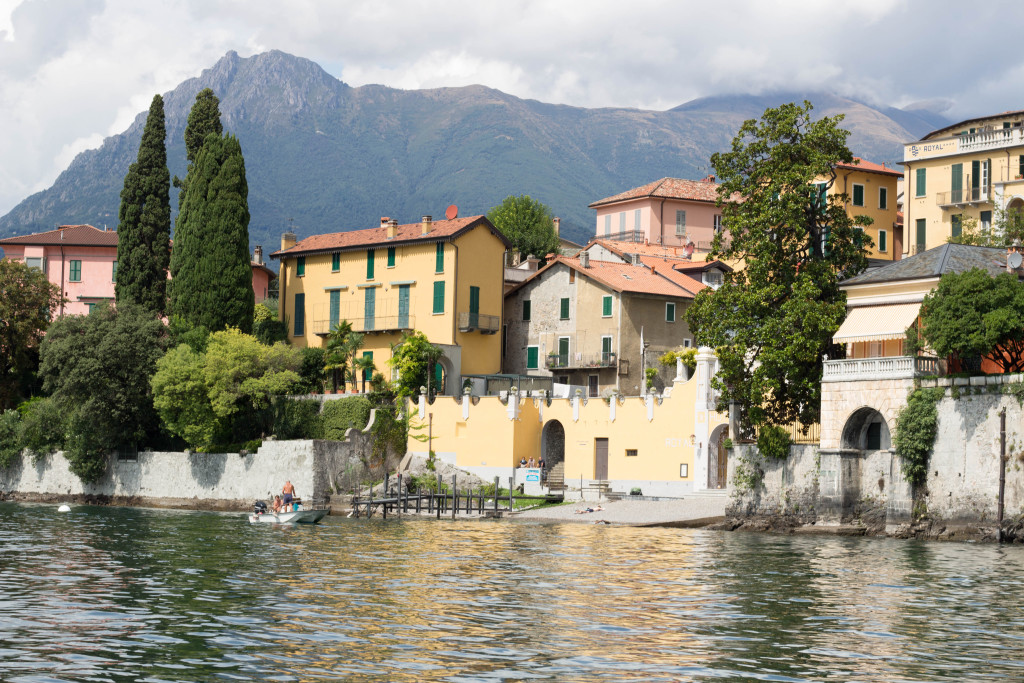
75,71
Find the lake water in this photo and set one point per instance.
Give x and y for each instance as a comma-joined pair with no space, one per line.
119,594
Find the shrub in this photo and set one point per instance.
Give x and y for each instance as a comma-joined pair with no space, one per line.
298,419
86,449
343,414
916,427
266,327
773,442
10,445
311,370
687,355
42,426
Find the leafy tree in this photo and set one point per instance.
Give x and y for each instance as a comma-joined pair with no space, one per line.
212,277
527,224
203,119
10,443
97,368
27,301
363,367
311,370
974,314
144,220
265,325
773,319
1006,228
414,358
342,344
224,393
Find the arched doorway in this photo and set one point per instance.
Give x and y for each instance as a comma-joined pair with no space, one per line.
866,430
718,458
439,380
552,443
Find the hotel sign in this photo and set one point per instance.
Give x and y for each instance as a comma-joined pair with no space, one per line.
927,150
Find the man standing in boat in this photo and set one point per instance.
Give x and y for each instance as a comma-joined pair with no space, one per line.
287,494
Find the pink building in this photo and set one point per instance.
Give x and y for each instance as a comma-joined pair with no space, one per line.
669,212
82,261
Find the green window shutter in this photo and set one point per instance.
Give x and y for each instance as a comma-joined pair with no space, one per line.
919,190
956,183
300,266
670,312
1020,166
335,262
391,257
975,174
369,307
367,373
335,309
921,233
531,357
76,271
439,296
439,259
300,315
606,344
526,309
957,224
369,264
882,238
403,306
606,306
858,195
113,274
883,198
564,309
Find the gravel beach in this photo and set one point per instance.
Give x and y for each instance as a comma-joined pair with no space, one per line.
695,511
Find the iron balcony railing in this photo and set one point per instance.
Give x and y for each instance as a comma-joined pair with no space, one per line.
485,324
624,236
565,361
967,195
892,367
378,323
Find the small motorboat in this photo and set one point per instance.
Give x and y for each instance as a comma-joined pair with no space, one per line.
298,514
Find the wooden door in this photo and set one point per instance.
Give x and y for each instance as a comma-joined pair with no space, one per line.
601,459
723,462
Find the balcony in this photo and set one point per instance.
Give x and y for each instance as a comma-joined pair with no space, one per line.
893,367
624,236
964,197
565,361
478,322
379,323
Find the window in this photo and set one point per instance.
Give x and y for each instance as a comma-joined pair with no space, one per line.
592,386
821,199
439,258
858,194
572,276
367,373
439,296
670,312
680,223
563,312
300,315
718,223
335,309
622,221
113,273
369,308
874,349
883,198
687,343
369,264
956,183
631,452
921,230
636,220
34,262
532,357
563,352
391,257
986,220
1020,167
606,306
958,220
474,306
526,309
335,263
75,272
919,185
608,222
883,240
606,350
300,266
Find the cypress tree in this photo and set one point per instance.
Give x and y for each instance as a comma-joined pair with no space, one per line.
144,220
213,283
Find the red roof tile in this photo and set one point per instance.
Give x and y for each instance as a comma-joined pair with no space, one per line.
68,235
871,167
625,277
668,188
409,233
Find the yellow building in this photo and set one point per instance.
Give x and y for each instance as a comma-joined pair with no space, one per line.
442,278
967,170
872,190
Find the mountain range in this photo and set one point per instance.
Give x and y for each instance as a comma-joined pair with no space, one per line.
322,156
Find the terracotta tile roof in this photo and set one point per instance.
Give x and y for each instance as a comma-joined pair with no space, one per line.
68,235
624,277
624,248
667,268
410,233
870,167
667,188
700,266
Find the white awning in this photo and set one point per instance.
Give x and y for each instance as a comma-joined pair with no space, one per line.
876,323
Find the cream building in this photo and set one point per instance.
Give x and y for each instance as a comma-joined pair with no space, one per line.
967,170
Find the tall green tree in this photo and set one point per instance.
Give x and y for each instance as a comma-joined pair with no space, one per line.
203,119
973,314
773,319
144,220
414,358
212,277
27,302
527,224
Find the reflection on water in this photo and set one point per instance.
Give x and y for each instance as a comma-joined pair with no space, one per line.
128,594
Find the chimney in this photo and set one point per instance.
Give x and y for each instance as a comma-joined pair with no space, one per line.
287,240
257,254
385,223
634,259
709,179
531,263
585,259
558,226
425,225
647,242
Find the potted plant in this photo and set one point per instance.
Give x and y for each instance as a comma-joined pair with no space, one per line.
636,491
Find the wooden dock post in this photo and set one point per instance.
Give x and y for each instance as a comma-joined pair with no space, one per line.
511,481
455,496
496,490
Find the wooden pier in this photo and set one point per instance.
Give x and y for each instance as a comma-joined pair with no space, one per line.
398,500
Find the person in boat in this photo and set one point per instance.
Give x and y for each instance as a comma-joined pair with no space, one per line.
287,495
277,504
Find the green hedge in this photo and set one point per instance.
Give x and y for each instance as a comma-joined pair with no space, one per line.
298,419
343,414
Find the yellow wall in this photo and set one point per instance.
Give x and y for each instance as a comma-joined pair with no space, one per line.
480,257
883,219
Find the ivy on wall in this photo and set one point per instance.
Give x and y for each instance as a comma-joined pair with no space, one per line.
916,427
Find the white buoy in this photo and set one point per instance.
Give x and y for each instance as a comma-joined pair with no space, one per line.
64,508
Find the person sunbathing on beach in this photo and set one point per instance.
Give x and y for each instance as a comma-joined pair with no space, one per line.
597,509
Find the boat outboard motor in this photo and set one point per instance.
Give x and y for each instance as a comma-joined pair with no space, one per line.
259,507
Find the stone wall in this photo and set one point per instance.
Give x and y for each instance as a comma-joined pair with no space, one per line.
198,480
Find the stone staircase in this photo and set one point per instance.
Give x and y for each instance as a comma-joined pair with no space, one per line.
556,478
